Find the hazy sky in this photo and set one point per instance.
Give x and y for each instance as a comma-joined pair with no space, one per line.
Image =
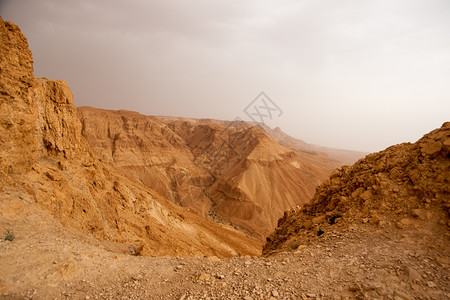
350,74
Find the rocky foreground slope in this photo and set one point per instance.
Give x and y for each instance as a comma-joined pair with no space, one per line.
44,159
403,186
230,172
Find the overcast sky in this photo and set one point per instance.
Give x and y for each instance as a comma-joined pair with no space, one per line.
351,74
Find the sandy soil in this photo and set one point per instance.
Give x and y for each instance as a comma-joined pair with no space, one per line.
49,261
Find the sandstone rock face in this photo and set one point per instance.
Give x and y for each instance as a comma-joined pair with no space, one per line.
150,152
44,159
230,172
399,187
17,117
58,128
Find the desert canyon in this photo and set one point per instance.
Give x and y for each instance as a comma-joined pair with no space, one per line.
109,204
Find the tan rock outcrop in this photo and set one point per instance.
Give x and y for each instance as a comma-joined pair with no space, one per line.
16,114
400,186
45,158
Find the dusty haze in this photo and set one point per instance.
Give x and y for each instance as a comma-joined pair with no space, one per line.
350,74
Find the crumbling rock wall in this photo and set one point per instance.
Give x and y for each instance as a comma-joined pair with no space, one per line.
17,107
44,157
387,188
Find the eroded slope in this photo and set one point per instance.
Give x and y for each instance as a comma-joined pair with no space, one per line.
406,186
230,172
44,158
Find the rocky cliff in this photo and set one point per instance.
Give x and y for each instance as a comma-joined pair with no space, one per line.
148,151
230,172
406,186
17,117
45,160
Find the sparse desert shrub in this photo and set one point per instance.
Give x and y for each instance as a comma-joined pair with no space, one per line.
9,235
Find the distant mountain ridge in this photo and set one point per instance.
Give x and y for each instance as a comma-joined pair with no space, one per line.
347,157
231,172
344,156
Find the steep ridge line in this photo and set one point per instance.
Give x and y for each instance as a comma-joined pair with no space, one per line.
347,157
